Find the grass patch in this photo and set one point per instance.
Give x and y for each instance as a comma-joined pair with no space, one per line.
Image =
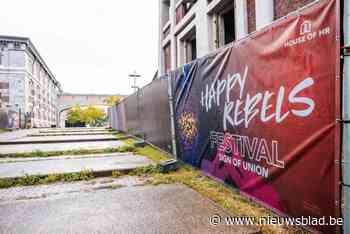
152,153
122,149
147,170
117,174
47,179
71,134
5,130
220,193
148,151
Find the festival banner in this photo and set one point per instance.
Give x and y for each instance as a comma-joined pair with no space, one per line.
261,115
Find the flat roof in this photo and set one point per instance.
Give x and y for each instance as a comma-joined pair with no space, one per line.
28,42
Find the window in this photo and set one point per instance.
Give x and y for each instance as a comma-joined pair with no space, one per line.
4,98
224,26
165,12
191,49
167,58
183,9
228,20
1,59
4,85
17,45
188,47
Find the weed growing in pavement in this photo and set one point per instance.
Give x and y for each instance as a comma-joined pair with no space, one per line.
218,192
147,170
117,174
122,149
28,180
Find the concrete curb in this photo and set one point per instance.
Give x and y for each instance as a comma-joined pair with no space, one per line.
63,157
70,134
96,174
61,141
73,131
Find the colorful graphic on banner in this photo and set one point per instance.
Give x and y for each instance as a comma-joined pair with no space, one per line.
261,114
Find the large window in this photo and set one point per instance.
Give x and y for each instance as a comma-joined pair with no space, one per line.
167,58
228,25
224,25
182,9
165,12
1,59
189,46
191,49
4,85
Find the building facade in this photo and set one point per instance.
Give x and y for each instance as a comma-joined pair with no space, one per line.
193,28
28,90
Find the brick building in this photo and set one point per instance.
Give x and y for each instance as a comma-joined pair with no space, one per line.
28,89
193,28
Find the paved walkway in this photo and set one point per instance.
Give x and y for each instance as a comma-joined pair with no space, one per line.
135,209
70,165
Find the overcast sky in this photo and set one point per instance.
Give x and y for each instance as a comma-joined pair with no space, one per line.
90,45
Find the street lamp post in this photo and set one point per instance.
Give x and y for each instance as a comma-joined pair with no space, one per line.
137,92
135,76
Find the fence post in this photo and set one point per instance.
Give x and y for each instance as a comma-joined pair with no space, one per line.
172,115
346,117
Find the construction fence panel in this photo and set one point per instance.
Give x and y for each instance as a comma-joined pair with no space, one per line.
146,113
261,115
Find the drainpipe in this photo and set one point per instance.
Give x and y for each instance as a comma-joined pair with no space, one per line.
346,117
172,115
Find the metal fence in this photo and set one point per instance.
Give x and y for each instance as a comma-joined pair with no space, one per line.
146,113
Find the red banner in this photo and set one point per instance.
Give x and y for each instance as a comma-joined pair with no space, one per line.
262,114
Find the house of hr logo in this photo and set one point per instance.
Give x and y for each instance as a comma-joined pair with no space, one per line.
307,33
306,27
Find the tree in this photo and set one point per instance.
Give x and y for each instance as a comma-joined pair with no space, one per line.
92,115
75,115
112,100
